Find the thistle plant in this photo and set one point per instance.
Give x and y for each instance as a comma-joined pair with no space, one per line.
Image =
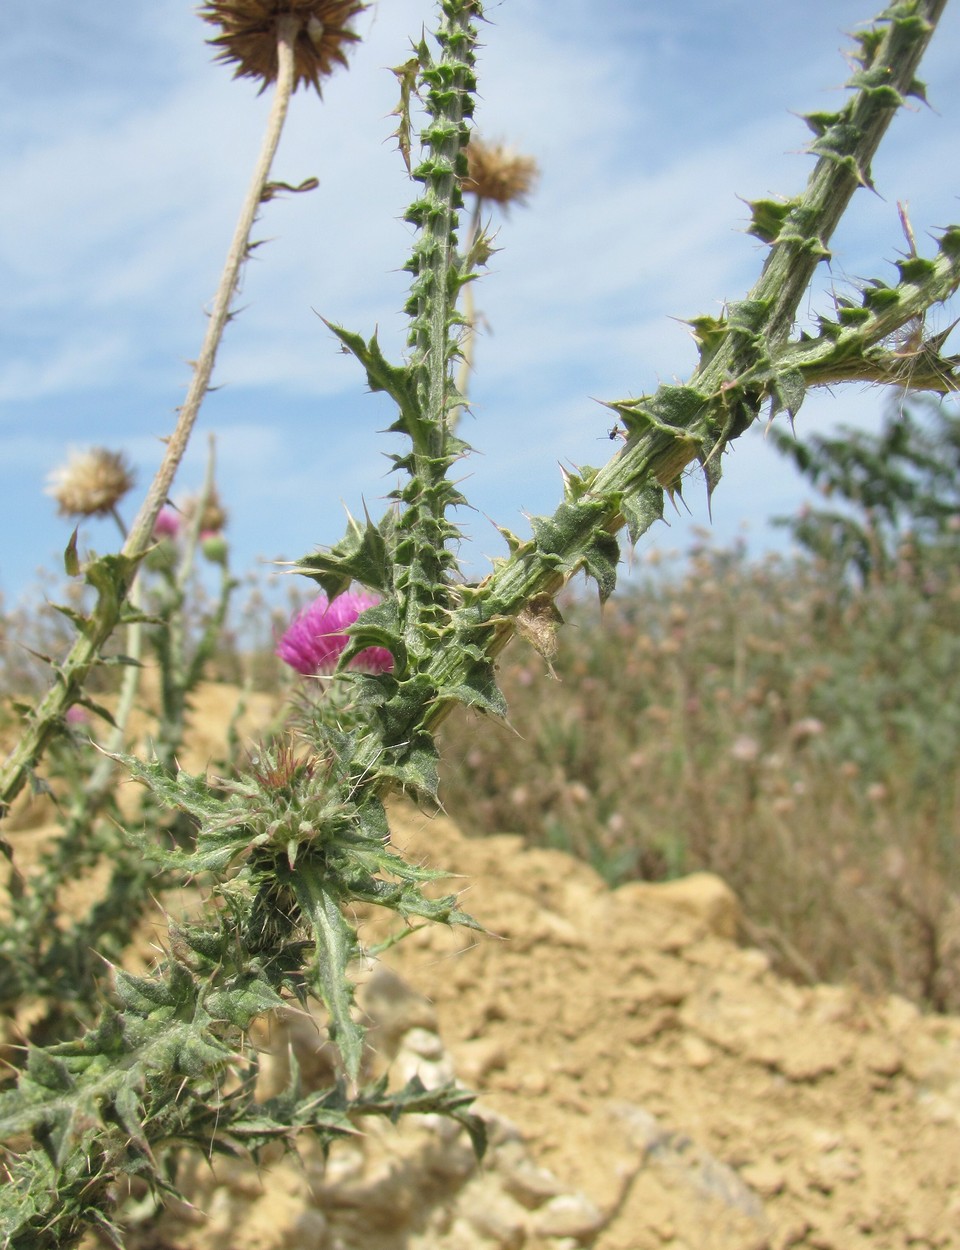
279,42
42,952
284,847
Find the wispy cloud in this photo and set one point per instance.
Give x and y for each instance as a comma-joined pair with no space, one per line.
122,165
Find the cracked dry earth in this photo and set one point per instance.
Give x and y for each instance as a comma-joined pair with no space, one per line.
647,1082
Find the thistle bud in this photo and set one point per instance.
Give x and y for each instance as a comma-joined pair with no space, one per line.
214,547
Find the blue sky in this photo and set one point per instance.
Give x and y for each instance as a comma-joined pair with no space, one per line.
123,155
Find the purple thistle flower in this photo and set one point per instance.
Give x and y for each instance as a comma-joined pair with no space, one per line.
315,638
167,524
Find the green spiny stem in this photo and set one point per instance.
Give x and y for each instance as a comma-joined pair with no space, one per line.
449,83
850,142
743,363
734,379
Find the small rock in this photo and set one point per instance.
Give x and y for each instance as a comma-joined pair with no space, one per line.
702,895
530,1185
393,1007
423,1042
793,1234
880,1056
465,1237
500,1130
479,1057
808,1061
494,1214
696,1051
432,1072
455,1160
765,1178
569,1215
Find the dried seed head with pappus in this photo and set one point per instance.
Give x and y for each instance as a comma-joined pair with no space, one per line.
499,173
213,519
250,30
91,483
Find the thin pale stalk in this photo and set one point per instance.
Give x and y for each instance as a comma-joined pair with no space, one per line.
142,529
72,673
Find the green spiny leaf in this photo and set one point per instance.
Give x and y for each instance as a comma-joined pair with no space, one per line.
365,555
78,619
242,1004
71,561
415,770
600,560
406,74
47,1071
641,509
767,218
98,710
336,946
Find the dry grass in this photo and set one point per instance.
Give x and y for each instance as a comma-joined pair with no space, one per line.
758,720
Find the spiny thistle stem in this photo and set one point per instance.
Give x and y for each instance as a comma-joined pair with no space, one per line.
745,361
887,76
142,529
432,306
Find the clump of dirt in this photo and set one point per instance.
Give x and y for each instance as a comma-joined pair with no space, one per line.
648,1083
666,1073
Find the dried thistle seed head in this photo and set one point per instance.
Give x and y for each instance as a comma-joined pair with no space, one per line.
91,483
213,519
499,173
249,31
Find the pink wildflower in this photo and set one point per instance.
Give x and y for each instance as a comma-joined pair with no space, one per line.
167,524
76,715
314,640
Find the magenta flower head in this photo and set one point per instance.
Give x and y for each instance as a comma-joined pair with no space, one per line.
314,640
167,524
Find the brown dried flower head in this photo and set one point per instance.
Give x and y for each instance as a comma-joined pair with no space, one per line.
213,518
249,36
91,483
499,173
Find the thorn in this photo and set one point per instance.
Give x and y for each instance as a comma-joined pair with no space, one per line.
907,228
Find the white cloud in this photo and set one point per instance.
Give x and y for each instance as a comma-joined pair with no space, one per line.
76,365
648,121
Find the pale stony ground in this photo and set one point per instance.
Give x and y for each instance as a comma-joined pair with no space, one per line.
648,1082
